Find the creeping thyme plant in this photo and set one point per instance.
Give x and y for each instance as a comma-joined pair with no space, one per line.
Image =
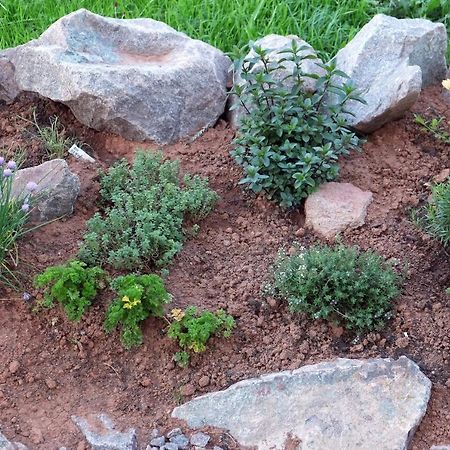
192,330
290,139
143,223
14,211
138,297
342,284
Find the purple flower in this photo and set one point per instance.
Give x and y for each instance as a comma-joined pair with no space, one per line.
25,207
2,160
7,173
26,297
11,165
31,186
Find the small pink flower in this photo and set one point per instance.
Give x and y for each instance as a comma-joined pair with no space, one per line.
25,207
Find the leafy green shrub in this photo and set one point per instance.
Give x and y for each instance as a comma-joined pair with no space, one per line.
192,330
146,208
290,140
436,219
73,284
342,284
14,211
139,296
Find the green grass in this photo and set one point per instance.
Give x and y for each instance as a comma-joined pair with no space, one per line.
326,24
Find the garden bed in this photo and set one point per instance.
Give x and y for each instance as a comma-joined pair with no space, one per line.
65,368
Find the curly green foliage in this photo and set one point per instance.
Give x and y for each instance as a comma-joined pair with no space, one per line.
290,140
192,330
73,284
342,284
436,219
147,207
139,296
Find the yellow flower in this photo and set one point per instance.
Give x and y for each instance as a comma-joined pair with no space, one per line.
446,84
177,314
128,304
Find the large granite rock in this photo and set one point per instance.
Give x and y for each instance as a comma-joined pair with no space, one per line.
7,445
138,78
56,192
345,404
8,86
274,44
334,207
101,433
390,60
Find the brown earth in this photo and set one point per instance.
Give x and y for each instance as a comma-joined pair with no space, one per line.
51,369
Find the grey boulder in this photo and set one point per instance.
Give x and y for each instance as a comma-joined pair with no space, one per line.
138,78
274,44
56,193
101,433
390,60
344,404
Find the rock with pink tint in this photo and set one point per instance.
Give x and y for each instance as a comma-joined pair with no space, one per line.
335,207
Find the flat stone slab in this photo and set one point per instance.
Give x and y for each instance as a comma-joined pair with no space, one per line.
340,405
334,207
100,431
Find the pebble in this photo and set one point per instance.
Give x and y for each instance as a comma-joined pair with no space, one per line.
146,382
200,439
181,441
204,381
187,390
158,441
51,384
174,432
170,446
14,366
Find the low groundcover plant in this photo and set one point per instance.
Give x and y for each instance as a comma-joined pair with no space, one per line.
290,139
73,284
192,330
342,284
138,297
146,207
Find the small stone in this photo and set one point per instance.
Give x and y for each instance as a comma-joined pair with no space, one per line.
170,446
272,302
155,433
14,366
217,448
36,436
204,381
300,232
51,384
146,382
334,207
187,390
402,342
181,441
200,439
174,432
158,441
442,176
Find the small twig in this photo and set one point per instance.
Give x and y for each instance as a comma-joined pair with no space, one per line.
111,367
